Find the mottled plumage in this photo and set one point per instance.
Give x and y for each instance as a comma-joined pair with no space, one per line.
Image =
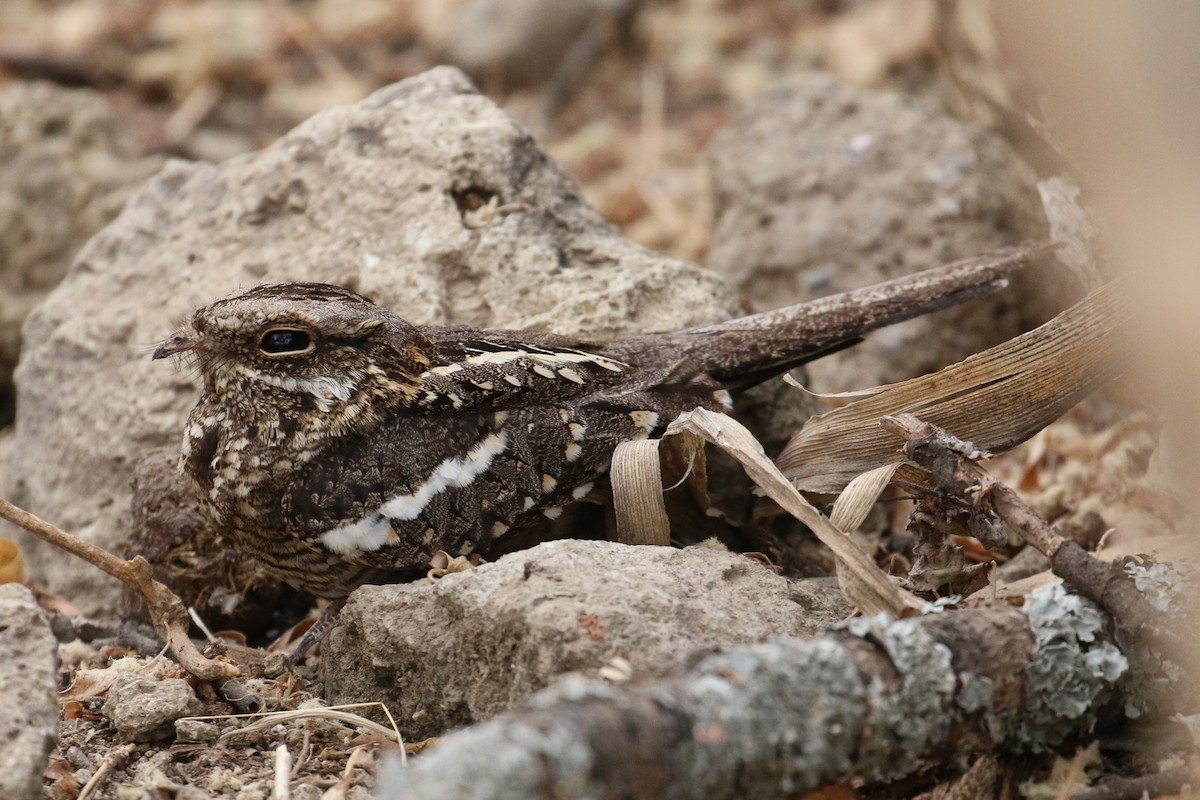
340,445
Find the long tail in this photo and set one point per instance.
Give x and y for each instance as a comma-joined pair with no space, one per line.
746,351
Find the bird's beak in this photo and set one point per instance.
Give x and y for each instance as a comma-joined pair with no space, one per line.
177,342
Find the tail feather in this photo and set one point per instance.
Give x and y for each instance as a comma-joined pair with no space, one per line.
746,351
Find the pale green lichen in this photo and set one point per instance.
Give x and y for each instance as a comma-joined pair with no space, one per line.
1160,584
1168,588
1074,672
757,697
975,692
911,719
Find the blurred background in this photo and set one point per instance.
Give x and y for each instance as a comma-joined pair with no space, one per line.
626,94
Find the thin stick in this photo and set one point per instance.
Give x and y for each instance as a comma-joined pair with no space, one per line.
952,463
283,773
114,758
268,719
339,789
273,718
166,610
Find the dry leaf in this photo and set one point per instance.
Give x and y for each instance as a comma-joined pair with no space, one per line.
90,683
12,566
638,494
858,498
643,472
637,498
995,399
867,586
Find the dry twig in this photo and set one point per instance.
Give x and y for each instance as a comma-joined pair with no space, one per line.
283,773
114,758
952,463
167,612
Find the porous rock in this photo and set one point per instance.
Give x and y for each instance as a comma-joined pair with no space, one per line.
821,188
65,171
425,197
28,726
144,709
469,646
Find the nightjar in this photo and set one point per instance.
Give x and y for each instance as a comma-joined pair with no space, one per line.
340,445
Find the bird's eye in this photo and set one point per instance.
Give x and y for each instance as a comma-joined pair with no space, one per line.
282,341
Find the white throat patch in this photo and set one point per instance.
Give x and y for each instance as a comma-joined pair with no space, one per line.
325,389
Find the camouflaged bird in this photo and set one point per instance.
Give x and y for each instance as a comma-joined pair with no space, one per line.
340,445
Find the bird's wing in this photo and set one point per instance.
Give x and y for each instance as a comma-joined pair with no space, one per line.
476,370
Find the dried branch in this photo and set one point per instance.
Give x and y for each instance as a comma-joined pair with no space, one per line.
111,762
1168,782
778,719
952,463
167,612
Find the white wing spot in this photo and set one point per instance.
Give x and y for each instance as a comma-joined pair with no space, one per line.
513,379
487,386
578,429
499,529
582,490
548,483
573,451
552,513
369,533
646,420
489,357
561,357
571,375
545,372
529,502
579,357
454,472
448,369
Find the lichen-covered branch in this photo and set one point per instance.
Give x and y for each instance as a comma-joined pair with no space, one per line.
1112,585
777,719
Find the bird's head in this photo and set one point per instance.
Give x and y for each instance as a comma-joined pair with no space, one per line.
302,346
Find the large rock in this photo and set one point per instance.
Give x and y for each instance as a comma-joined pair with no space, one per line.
391,197
471,645
145,709
821,188
65,171
29,724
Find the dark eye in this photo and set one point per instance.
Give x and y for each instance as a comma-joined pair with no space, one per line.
285,340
